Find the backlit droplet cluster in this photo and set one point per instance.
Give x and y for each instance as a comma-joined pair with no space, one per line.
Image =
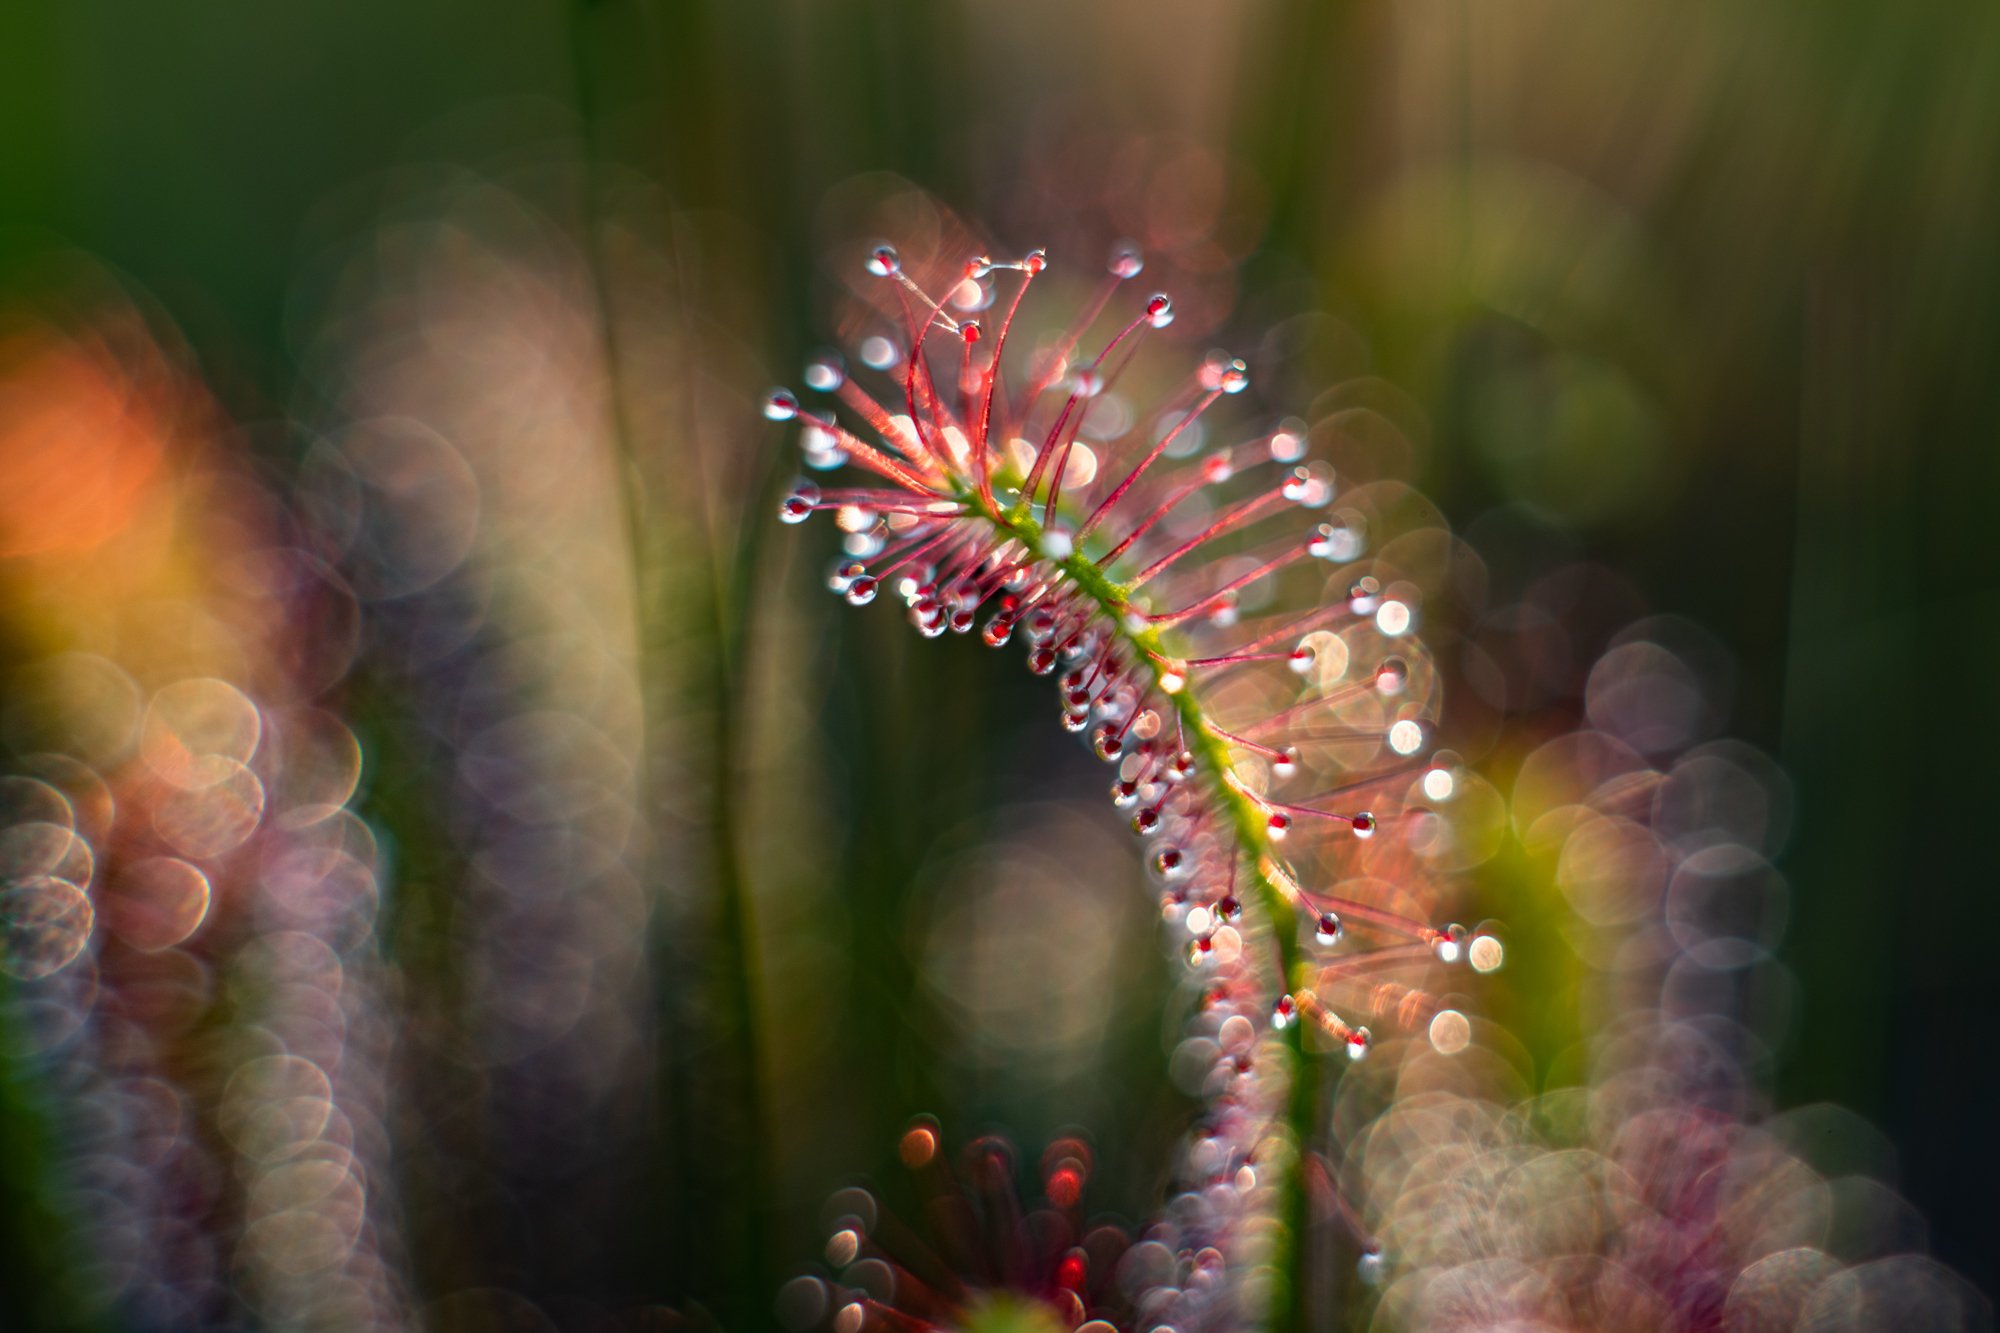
1222,636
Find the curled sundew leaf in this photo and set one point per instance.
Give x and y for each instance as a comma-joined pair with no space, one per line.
1233,625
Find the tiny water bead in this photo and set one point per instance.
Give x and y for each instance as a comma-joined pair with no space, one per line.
1450,944
861,590
1363,825
1284,1012
781,405
1371,1266
798,506
1358,1042
1288,441
1126,261
1160,310
1406,737
1223,373
1450,1032
843,1247
1337,542
825,373
1278,825
1394,618
1392,675
1485,953
1327,929
879,353
884,262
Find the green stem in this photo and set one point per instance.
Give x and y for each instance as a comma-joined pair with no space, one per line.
1251,825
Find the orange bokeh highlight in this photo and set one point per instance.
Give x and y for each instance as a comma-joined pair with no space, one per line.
80,445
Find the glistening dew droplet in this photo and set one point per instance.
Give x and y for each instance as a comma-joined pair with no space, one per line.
825,373
798,506
1450,1032
1394,618
1485,953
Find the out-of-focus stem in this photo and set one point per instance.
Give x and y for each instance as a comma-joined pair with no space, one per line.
740,1250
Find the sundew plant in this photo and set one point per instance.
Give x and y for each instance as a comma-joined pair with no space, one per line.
1216,611
1232,624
